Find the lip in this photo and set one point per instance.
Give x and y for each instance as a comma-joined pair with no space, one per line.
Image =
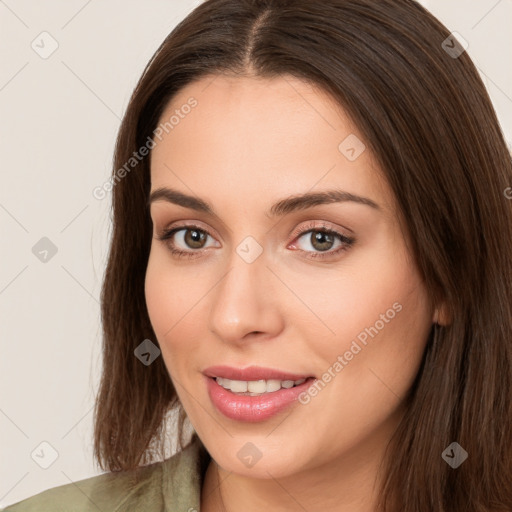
252,373
252,409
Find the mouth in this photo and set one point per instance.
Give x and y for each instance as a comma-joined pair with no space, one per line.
257,387
253,399
253,373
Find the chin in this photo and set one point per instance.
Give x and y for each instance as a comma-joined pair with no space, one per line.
255,458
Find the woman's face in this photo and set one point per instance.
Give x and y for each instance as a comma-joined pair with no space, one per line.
272,287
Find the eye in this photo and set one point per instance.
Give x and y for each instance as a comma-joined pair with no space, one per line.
192,237
322,239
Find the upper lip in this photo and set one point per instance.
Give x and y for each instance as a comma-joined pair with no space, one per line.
251,373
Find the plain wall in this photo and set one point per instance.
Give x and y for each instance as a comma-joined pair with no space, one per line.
59,119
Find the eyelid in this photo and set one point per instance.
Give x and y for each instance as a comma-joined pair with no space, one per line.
190,224
320,225
170,231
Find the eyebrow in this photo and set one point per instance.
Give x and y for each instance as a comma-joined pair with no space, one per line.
282,207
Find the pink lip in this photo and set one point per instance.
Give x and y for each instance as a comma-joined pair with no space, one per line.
253,409
251,373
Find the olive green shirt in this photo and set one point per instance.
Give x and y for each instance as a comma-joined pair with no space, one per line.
172,485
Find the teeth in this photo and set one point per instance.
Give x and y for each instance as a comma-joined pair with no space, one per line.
256,387
272,385
238,386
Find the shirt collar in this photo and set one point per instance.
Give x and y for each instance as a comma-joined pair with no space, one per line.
183,476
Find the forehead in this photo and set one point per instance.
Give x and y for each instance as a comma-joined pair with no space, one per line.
261,138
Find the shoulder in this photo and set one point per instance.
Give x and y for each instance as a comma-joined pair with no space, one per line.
173,484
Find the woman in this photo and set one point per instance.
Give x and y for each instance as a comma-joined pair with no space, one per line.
311,262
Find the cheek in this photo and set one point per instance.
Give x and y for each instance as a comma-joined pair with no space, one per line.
381,321
160,299
175,300
375,295
377,319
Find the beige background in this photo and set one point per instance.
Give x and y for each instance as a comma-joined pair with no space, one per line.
59,118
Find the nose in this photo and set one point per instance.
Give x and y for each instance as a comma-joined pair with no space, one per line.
246,303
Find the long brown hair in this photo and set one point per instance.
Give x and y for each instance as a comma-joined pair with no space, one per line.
426,116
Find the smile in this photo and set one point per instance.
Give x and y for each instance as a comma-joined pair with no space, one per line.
256,387
254,406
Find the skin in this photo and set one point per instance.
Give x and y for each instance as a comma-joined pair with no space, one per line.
248,143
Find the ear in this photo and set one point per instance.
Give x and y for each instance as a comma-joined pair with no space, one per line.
442,314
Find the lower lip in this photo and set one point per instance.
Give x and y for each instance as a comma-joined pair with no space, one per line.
253,408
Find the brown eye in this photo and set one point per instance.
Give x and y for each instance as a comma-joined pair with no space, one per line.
321,241
194,238
185,241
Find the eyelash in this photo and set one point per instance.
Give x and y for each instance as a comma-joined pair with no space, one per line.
346,241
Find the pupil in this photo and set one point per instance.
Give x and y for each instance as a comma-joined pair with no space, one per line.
319,237
194,237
